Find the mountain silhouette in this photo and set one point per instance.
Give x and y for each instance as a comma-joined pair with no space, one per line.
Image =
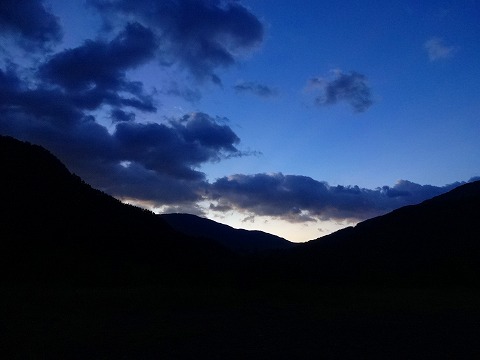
238,240
434,242
57,228
84,276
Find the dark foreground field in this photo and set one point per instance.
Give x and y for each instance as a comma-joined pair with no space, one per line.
240,322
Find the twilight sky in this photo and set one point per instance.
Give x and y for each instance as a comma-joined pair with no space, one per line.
292,117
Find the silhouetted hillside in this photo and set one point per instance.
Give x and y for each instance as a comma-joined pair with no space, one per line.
56,228
133,287
435,242
239,240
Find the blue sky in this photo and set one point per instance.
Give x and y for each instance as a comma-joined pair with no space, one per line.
296,118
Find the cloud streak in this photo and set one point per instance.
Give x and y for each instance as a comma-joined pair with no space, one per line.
255,88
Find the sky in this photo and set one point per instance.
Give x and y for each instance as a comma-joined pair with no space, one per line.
297,118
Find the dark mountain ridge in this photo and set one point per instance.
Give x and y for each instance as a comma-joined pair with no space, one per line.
56,228
238,240
434,242
128,285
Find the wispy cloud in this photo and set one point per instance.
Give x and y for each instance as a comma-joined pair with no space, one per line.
185,92
255,88
351,88
437,49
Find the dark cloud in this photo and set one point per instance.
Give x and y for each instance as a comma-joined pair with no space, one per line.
30,21
46,105
101,64
94,73
201,35
206,131
57,105
349,87
300,198
152,188
255,88
57,101
9,84
150,162
119,115
159,163
178,148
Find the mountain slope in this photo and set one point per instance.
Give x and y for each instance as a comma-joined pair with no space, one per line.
56,228
160,301
435,242
239,240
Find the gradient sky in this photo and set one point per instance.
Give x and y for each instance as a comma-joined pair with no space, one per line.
292,117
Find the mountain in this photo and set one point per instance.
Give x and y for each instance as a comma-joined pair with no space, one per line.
436,242
56,228
84,276
238,240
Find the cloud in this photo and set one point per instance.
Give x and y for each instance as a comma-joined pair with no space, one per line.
151,162
178,148
118,115
200,35
98,63
437,50
157,162
206,131
57,100
299,198
255,88
30,22
189,94
184,209
100,68
349,87
46,105
73,81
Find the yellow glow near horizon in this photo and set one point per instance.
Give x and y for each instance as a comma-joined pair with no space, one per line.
292,231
